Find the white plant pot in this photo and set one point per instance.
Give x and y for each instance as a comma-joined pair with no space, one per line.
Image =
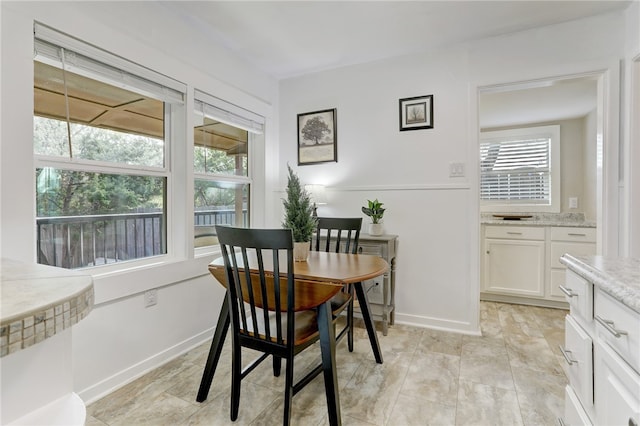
376,229
300,251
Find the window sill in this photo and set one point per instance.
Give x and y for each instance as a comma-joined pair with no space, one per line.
111,286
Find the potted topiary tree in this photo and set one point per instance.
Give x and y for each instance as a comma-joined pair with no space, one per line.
298,216
375,211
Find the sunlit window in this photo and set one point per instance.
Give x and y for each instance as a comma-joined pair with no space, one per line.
101,148
221,169
519,168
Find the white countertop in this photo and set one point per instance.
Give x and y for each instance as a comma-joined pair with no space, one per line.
575,220
38,301
618,277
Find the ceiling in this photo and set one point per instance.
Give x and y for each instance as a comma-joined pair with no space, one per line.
289,38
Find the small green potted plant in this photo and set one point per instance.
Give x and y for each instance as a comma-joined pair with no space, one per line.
375,211
298,216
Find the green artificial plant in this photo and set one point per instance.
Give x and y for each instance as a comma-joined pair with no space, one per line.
298,210
374,210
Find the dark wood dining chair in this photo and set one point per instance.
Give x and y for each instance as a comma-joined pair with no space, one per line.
340,235
279,317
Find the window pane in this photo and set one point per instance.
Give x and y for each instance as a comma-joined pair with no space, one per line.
219,203
516,170
219,148
87,219
107,123
92,143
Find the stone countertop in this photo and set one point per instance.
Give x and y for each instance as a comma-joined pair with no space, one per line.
39,301
576,220
618,277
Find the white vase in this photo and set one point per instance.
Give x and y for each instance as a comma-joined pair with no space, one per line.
376,229
300,251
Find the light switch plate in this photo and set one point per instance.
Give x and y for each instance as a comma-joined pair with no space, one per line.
456,169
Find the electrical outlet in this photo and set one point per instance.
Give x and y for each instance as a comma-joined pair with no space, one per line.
573,202
150,297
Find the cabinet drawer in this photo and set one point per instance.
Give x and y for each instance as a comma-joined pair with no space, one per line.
586,235
578,354
617,389
514,232
574,414
575,249
579,294
611,317
374,249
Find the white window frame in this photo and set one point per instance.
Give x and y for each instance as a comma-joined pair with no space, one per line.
238,117
138,79
500,206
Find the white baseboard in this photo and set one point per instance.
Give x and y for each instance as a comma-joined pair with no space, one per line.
437,324
118,380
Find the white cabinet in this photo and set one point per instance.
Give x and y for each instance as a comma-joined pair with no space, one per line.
521,264
617,389
602,353
514,260
575,241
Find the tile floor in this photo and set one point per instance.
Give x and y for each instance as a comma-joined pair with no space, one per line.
512,375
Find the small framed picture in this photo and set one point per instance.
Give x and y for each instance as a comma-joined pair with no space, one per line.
416,113
317,137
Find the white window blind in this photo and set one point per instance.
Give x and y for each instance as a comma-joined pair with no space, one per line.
58,49
516,166
228,113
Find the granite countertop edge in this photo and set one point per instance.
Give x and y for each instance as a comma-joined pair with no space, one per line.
529,222
618,277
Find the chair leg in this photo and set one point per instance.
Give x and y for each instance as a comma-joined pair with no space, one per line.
236,378
277,366
350,319
328,349
288,392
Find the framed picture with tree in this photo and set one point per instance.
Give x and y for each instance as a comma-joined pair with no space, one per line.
416,113
317,137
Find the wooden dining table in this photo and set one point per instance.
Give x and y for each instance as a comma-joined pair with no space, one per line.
337,268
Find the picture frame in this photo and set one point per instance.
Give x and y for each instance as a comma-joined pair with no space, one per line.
416,113
317,137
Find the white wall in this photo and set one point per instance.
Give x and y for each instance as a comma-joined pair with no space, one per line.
120,339
436,216
630,187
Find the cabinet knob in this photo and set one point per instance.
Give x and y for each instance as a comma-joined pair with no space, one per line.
488,252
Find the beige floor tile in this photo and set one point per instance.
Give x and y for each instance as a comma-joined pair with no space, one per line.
481,404
414,411
510,375
433,376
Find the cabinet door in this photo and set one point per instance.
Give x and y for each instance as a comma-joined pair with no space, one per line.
617,389
514,267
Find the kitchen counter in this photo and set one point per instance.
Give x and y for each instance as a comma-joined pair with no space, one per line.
40,305
39,301
618,277
575,220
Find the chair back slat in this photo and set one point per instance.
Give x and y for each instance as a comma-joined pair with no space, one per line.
341,234
252,292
